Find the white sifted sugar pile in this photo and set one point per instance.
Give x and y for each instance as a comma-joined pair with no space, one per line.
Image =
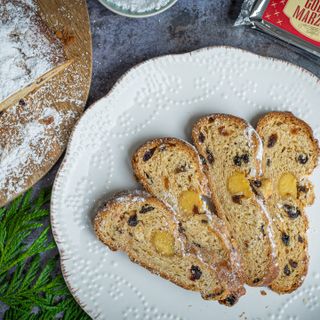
140,6
28,49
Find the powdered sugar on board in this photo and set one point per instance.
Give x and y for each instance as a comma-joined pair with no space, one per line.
34,132
28,49
29,145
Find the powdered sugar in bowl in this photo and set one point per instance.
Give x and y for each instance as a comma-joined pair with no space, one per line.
138,8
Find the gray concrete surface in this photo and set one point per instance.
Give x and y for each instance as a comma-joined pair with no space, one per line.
119,43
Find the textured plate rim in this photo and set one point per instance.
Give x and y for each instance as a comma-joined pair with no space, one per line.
60,175
132,14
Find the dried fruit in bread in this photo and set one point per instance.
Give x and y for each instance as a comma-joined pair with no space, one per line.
147,230
171,170
288,161
233,179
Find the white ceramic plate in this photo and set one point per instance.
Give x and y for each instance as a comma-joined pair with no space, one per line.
111,5
162,97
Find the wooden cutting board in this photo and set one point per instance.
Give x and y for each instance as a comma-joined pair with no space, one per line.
56,105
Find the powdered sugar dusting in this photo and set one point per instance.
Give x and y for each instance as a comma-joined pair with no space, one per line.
250,133
34,133
27,145
27,48
271,234
131,196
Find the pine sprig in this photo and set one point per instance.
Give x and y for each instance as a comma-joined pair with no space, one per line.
30,288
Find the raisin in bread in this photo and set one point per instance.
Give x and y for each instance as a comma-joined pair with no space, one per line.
171,170
231,150
290,155
147,230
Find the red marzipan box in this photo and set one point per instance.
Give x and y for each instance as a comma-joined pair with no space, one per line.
295,21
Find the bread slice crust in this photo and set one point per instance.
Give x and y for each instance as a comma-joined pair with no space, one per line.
114,228
167,167
290,149
237,151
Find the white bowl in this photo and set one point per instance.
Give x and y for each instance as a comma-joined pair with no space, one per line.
132,14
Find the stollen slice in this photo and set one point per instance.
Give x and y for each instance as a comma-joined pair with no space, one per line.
171,170
290,155
231,151
147,230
